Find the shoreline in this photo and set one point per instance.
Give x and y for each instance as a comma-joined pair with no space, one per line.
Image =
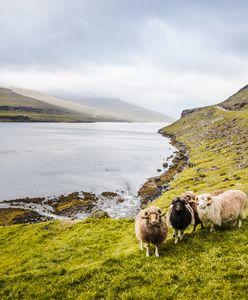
155,186
79,205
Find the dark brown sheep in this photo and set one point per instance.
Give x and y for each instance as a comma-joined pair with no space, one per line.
150,228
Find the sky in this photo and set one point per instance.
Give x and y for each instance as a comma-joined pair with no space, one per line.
163,55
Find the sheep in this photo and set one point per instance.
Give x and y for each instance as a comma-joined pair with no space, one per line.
189,196
150,227
225,207
179,217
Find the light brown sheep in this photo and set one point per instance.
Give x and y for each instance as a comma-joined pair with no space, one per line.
150,228
225,207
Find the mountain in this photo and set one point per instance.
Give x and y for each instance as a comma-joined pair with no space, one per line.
217,144
122,109
18,104
22,108
238,101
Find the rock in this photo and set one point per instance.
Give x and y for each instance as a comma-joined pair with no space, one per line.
165,165
191,165
226,179
99,214
109,194
243,166
159,170
214,168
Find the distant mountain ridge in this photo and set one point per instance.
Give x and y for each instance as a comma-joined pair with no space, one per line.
17,104
124,110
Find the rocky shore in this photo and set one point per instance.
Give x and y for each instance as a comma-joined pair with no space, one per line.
155,186
78,205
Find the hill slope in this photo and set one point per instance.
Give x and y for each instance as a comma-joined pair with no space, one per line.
100,258
122,109
217,143
238,101
17,107
28,105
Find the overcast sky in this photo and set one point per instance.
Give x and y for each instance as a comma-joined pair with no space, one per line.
163,55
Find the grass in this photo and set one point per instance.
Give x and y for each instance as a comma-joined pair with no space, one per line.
96,259
217,142
100,259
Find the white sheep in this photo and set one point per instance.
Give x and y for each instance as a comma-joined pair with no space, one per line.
150,228
219,208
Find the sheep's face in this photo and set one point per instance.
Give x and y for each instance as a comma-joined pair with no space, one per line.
189,195
179,204
153,216
204,200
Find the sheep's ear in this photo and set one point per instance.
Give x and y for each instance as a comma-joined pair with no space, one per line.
210,200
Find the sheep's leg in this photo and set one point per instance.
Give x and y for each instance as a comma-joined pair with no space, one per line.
141,245
156,251
176,236
240,223
212,227
235,222
147,249
202,226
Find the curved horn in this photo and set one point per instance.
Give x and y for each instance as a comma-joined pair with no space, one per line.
210,202
193,201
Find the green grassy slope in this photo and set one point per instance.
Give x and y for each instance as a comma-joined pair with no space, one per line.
96,259
217,142
238,101
15,107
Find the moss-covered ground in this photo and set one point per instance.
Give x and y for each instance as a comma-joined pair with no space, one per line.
217,142
97,259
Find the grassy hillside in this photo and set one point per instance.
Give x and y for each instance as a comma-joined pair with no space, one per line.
217,142
238,101
15,107
95,259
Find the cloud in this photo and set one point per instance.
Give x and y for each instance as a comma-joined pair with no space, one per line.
158,54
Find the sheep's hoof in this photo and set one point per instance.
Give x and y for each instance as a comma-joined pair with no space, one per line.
176,241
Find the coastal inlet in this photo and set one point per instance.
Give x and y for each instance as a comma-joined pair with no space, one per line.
105,163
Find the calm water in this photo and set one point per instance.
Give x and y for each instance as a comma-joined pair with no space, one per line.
50,159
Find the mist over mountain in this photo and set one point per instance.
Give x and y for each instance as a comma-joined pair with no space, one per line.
118,107
27,105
